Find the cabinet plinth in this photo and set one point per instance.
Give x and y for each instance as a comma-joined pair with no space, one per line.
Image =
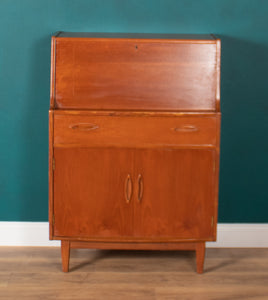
134,137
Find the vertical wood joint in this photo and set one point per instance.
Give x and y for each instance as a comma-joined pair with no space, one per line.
53,164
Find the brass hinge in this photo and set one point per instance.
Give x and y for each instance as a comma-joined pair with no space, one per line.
53,163
212,221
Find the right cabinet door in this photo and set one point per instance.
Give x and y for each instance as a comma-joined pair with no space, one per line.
175,196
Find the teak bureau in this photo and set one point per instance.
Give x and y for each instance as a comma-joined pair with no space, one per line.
134,135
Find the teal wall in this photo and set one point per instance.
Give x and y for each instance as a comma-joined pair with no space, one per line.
25,30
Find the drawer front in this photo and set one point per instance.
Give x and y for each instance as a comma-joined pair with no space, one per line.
134,131
135,75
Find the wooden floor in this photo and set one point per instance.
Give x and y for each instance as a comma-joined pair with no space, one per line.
35,273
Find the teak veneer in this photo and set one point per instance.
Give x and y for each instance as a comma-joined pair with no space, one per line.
134,137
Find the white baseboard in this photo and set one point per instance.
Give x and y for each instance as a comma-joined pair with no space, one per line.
25,234
229,235
241,235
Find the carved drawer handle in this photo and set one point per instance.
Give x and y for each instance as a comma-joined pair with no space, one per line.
128,188
140,185
84,126
186,128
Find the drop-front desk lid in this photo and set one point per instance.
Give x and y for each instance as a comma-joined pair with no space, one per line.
167,72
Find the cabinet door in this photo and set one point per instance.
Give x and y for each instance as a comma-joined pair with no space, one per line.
90,186
178,197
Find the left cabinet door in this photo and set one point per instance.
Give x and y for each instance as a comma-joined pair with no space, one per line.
93,193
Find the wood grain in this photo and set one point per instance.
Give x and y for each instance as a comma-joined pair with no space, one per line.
134,141
179,195
65,255
96,131
34,273
50,170
134,245
90,194
136,113
52,72
178,198
200,257
218,75
131,74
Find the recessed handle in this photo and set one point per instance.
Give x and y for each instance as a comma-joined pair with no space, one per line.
128,188
140,187
84,126
186,128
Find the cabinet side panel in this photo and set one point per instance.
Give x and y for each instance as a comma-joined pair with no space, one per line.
218,88
217,174
50,171
52,72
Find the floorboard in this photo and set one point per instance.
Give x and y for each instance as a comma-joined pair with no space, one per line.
35,273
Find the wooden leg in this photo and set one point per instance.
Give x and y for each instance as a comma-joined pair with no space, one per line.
200,257
65,255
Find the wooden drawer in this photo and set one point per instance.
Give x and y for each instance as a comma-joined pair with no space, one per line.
134,131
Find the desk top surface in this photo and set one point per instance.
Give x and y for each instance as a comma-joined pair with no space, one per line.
171,36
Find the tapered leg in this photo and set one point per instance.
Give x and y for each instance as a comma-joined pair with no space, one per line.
200,256
65,255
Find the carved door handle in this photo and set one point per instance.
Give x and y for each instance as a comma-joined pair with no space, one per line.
186,128
140,187
128,188
84,126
